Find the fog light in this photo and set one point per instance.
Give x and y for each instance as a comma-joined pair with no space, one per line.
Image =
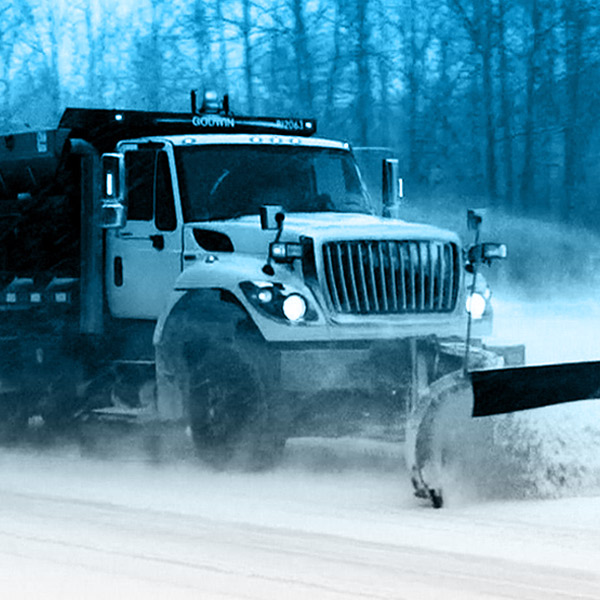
265,295
476,305
294,307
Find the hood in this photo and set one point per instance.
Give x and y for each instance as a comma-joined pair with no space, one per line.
247,236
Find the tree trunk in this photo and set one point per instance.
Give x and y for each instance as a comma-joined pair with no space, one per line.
363,103
486,40
303,61
54,87
335,61
223,63
572,156
248,67
527,193
202,39
412,75
505,125
384,76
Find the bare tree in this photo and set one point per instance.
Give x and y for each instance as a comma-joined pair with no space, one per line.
528,172
363,83
573,15
304,71
505,121
246,28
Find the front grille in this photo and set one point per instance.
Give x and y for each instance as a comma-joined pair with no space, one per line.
391,277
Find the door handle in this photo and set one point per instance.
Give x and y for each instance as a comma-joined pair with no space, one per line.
158,241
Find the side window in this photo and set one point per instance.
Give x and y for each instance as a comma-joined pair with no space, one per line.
139,179
149,188
164,203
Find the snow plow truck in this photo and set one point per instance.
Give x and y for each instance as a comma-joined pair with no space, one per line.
226,276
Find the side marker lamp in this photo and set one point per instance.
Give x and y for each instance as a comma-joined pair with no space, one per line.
110,188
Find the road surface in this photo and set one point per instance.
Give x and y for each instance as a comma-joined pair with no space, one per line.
337,520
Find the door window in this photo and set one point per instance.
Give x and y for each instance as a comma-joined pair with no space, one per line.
149,188
164,202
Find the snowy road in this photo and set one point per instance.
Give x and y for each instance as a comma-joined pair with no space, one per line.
77,528
73,528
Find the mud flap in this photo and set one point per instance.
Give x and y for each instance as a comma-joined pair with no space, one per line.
498,391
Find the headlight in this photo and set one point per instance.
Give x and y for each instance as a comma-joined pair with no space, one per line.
276,302
294,307
476,305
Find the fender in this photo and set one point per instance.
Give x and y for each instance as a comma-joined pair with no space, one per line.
206,280
218,273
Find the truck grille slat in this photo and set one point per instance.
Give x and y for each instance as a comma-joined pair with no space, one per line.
400,252
391,277
439,252
372,276
451,279
363,280
354,288
432,274
383,276
421,252
413,262
329,270
393,267
345,299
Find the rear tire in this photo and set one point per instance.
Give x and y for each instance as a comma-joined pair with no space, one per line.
229,415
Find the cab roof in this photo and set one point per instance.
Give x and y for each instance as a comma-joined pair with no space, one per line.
243,139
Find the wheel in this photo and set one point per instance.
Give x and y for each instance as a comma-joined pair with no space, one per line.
229,415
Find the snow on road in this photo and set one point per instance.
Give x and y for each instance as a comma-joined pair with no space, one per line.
73,528
323,525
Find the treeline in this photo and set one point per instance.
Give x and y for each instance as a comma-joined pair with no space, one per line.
494,99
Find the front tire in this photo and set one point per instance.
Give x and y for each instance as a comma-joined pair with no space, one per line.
229,415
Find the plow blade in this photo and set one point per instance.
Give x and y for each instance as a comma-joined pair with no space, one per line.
498,391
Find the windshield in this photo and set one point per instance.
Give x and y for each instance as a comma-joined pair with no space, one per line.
228,181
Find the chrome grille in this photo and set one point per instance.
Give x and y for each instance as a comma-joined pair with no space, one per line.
391,277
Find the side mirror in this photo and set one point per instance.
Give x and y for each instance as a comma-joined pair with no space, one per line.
486,253
114,213
391,187
271,216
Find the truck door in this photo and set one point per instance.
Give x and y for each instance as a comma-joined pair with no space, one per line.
144,258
